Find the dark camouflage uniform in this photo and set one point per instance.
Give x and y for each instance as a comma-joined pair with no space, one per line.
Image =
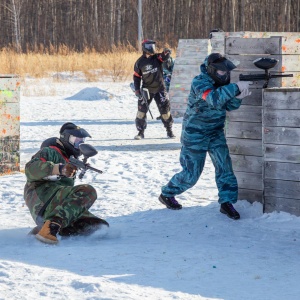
202,133
59,200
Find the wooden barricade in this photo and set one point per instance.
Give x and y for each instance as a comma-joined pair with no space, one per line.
190,54
9,124
281,150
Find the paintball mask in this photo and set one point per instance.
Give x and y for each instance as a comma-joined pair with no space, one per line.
71,137
148,46
218,68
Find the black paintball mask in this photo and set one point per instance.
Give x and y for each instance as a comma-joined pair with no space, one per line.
148,46
71,137
218,68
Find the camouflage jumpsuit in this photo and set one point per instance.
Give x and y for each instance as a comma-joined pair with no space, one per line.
202,133
56,200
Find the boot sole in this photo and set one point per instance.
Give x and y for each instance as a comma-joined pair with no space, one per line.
228,215
168,206
44,240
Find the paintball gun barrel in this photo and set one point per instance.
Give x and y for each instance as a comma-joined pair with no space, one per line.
87,151
264,63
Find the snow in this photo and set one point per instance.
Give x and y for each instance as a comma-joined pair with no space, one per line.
148,252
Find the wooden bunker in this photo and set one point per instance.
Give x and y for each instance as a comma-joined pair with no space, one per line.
263,134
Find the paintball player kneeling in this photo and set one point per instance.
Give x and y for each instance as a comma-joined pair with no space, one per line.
55,204
211,95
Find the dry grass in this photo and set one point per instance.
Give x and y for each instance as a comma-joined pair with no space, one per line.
116,64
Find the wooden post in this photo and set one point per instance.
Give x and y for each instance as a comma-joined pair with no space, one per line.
9,124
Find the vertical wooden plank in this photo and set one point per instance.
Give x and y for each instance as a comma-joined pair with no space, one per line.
9,123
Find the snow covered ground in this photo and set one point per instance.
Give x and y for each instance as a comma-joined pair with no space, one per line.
149,252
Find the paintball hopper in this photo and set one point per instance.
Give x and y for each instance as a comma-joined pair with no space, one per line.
265,63
87,150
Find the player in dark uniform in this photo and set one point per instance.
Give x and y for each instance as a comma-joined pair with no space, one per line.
148,73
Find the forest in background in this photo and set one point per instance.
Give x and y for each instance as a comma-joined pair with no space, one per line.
35,25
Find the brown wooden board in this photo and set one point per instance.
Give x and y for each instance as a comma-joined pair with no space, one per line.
9,154
282,189
282,153
283,98
261,46
278,204
250,195
245,113
245,146
283,171
251,181
243,130
281,118
245,163
282,135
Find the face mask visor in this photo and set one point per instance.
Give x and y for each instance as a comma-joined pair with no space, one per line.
76,141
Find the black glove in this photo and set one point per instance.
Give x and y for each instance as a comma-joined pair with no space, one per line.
138,95
67,170
167,50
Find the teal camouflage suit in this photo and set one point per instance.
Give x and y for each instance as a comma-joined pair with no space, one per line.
57,200
203,132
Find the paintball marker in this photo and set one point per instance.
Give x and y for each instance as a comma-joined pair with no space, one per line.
87,151
264,63
145,95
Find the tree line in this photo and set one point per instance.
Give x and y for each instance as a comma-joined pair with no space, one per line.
28,25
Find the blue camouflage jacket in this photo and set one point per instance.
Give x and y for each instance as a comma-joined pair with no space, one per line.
205,115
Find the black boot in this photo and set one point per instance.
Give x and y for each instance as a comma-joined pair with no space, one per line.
140,135
170,133
228,209
170,202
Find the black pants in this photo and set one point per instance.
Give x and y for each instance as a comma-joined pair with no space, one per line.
163,105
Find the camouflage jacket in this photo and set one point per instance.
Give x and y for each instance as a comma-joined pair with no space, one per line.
205,115
39,191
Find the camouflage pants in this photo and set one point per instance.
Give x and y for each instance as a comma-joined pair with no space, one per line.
192,162
163,105
71,203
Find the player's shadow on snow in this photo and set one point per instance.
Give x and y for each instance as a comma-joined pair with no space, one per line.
91,94
176,251
140,147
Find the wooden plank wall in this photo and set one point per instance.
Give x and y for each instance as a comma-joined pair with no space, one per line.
281,141
9,124
289,54
190,54
244,126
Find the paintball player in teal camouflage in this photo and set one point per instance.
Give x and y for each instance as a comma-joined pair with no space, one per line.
211,95
55,204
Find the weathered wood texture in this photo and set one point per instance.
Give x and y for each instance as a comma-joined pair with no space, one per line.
281,142
190,54
9,123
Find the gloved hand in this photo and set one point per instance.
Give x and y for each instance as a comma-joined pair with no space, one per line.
167,50
243,85
243,94
138,95
67,170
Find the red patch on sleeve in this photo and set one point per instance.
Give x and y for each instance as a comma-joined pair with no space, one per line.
205,94
42,159
137,75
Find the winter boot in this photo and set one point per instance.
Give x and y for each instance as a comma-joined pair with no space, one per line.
170,133
228,209
169,202
83,226
48,232
140,135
